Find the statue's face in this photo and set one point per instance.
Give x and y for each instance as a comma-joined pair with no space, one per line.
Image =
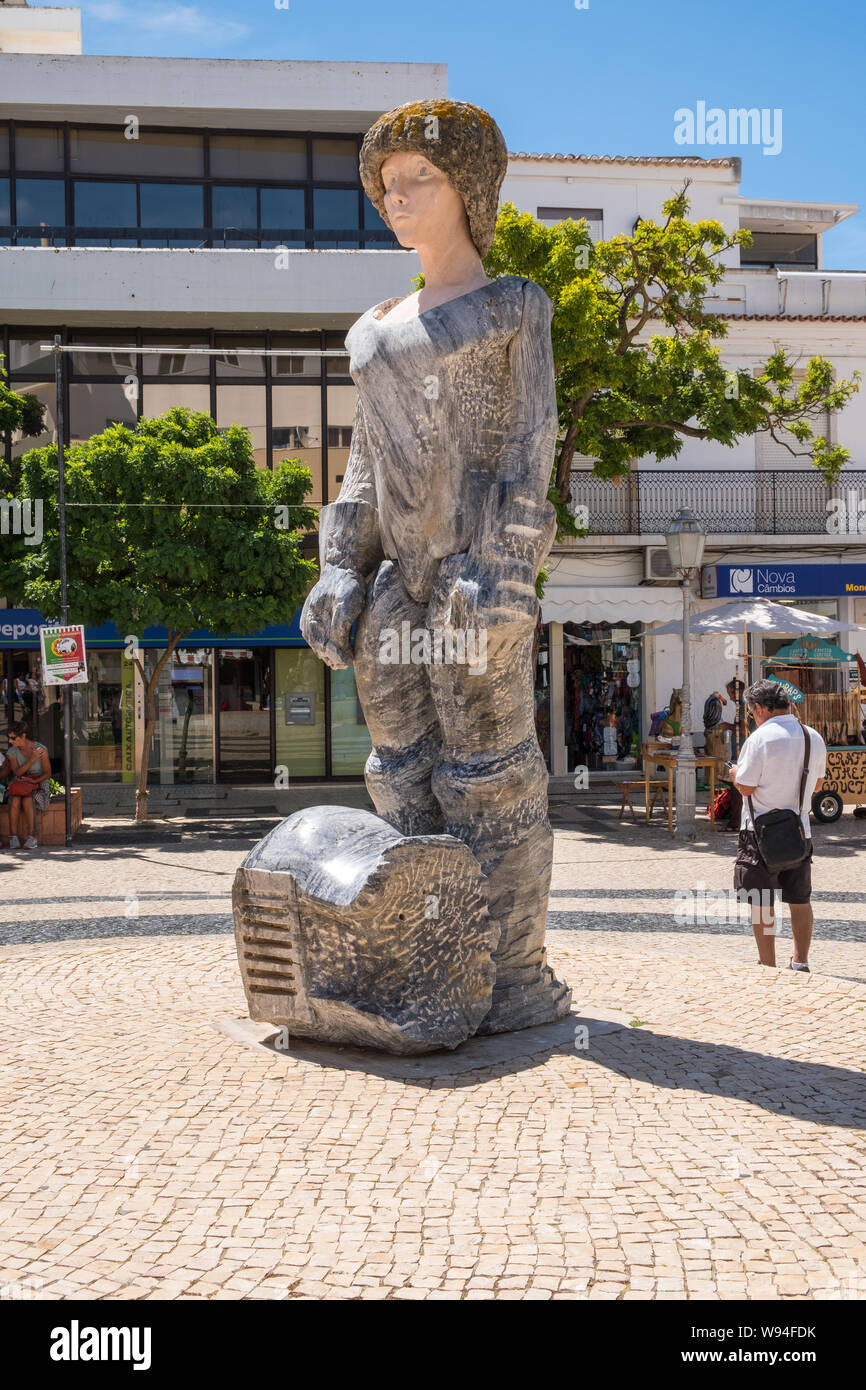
423,206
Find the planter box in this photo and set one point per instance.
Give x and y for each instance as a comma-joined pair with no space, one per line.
50,824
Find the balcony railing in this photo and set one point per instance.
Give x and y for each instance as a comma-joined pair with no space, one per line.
728,502
203,238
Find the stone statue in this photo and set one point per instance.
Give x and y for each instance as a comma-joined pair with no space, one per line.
433,548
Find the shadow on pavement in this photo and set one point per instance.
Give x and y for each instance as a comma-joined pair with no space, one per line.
809,1091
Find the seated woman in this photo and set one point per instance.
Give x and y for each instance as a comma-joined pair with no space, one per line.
30,766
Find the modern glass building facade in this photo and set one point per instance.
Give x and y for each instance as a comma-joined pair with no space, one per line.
258,709
242,709
119,185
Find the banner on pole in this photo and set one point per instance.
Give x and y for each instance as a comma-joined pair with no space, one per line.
64,661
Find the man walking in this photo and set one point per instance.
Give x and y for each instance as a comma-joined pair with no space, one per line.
769,773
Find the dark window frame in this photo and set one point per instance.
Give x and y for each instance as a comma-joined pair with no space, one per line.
318,339
207,179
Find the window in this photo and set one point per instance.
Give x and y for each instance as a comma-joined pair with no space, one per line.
26,357
39,149
108,151
341,413
771,249
235,364
182,749
245,405
770,454
46,392
259,157
594,218
339,436
100,709
5,209
234,206
105,205
175,361
296,414
333,209
156,398
374,223
300,712
103,363
336,161
168,205
39,201
283,208
295,366
337,366
350,738
93,407
256,181
237,209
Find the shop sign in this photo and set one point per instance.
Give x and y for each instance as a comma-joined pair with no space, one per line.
793,694
19,624
782,581
64,661
127,721
811,650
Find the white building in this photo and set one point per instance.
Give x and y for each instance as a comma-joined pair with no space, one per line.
142,204
765,512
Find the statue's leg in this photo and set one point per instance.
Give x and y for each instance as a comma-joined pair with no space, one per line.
398,707
491,782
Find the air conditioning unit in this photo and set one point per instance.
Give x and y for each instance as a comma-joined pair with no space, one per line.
657,565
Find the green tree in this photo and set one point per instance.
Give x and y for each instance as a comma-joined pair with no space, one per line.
637,366
169,524
18,414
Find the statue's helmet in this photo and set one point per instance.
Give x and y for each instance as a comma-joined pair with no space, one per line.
461,140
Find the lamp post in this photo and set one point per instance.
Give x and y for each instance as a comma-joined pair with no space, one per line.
685,542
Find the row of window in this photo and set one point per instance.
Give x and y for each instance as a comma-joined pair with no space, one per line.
236,356
291,407
130,150
212,187
230,210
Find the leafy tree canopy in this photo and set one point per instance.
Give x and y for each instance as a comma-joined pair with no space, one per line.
638,369
18,414
169,523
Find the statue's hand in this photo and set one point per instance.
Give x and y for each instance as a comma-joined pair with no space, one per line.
332,606
476,594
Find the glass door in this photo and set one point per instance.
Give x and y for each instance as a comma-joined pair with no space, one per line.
243,697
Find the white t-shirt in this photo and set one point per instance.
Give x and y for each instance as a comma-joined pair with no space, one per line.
771,761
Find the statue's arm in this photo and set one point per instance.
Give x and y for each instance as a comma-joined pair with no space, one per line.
494,583
517,522
350,548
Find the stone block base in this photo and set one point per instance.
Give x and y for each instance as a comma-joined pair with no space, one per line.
349,932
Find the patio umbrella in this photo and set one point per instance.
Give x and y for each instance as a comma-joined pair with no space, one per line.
759,615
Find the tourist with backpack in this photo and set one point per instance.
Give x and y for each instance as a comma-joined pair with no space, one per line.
780,767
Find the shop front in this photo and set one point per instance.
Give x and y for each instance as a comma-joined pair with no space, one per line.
602,692
251,709
599,677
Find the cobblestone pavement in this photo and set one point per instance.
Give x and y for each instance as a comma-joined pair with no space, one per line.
705,1142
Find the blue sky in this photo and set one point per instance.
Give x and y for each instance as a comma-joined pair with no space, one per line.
606,79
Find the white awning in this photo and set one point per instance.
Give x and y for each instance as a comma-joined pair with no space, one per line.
637,603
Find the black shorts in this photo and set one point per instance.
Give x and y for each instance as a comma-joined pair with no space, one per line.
751,873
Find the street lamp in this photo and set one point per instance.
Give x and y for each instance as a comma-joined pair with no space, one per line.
685,542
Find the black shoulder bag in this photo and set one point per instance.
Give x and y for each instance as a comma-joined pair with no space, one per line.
780,836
